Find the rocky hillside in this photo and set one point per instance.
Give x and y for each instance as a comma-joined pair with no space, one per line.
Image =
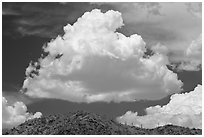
84,123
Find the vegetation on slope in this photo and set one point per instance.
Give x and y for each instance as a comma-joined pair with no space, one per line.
84,123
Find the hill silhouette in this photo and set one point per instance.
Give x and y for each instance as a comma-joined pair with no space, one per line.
85,123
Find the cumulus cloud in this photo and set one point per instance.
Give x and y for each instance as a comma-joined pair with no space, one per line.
183,110
193,56
14,115
93,62
176,35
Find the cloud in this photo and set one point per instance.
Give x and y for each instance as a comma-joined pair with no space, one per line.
153,8
161,49
195,9
14,96
145,8
193,56
14,115
92,62
183,110
175,36
40,19
152,20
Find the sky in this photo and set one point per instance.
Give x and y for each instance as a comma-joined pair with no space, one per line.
123,60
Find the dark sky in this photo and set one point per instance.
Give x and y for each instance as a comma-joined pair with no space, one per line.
26,27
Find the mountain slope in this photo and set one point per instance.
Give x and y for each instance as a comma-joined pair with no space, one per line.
84,123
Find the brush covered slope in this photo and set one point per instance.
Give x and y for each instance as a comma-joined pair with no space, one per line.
84,123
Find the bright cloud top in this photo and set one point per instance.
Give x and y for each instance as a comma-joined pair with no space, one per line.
92,62
16,114
182,110
158,23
